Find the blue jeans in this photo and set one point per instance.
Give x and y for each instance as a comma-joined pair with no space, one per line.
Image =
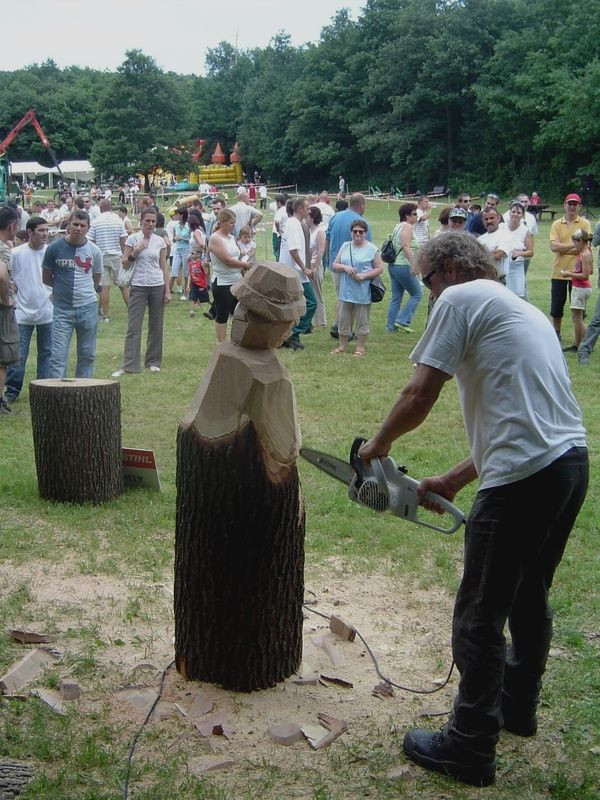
304,323
514,540
16,375
84,321
592,332
402,280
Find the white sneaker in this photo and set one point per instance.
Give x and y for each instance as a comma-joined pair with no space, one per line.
105,319
118,373
192,313
154,369
182,297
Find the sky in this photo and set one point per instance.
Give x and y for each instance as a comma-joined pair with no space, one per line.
96,33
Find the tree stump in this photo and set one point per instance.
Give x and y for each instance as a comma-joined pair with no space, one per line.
77,439
14,777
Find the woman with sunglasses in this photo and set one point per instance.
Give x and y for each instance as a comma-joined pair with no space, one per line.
403,272
358,261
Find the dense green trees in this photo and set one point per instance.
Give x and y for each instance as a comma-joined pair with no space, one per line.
487,94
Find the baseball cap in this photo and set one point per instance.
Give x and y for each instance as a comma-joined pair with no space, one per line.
573,198
458,212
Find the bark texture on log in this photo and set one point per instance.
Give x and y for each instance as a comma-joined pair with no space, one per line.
77,439
14,777
239,563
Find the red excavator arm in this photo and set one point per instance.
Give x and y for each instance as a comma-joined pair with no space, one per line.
29,117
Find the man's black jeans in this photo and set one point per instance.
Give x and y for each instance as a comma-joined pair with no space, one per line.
514,540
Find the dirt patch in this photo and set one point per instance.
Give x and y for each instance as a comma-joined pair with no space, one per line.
128,621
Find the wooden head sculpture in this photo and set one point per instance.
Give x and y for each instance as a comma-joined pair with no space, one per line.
270,302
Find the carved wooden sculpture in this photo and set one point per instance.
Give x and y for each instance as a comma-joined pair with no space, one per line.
239,548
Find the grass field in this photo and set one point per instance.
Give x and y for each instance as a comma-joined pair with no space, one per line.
129,543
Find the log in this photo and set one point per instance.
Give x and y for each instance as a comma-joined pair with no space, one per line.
239,546
14,777
77,439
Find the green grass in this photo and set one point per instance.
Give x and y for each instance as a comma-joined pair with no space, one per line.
131,540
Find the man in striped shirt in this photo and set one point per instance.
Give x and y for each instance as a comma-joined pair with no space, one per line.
108,232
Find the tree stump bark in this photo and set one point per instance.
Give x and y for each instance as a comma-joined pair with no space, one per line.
14,777
77,439
239,548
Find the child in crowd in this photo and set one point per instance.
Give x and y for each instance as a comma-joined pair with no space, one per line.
198,281
581,285
247,246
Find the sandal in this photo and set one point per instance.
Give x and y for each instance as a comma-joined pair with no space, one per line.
359,354
338,350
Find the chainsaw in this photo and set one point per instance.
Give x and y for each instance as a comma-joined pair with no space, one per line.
381,485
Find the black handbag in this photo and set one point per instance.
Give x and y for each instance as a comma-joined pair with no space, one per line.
377,287
388,252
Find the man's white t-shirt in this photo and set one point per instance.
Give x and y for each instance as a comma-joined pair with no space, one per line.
326,211
293,239
280,219
498,240
243,216
421,227
519,411
32,300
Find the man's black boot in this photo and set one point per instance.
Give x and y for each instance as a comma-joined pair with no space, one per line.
434,751
519,715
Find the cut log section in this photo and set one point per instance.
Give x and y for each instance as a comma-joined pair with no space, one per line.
239,547
77,439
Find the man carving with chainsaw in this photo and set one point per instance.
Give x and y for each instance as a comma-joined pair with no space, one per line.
528,450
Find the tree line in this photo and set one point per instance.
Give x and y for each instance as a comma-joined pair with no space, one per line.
483,94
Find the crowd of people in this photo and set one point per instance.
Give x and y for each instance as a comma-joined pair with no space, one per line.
65,257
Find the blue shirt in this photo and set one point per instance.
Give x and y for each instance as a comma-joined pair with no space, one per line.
72,269
361,258
338,231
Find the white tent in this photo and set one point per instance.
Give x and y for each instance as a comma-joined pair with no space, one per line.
78,170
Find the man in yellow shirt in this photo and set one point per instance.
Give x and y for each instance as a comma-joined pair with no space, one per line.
565,253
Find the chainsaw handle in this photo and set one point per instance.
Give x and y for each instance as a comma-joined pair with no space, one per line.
379,474
449,508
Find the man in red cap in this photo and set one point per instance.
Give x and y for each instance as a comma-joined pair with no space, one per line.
565,254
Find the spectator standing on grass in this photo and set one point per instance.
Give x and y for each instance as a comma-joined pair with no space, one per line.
404,271
9,329
317,228
358,262
227,268
279,219
146,254
72,266
108,232
181,249
593,329
421,226
521,248
33,308
245,214
295,252
528,451
565,254
496,240
338,232
581,285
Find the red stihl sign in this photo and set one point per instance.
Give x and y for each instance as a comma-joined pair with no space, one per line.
139,468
